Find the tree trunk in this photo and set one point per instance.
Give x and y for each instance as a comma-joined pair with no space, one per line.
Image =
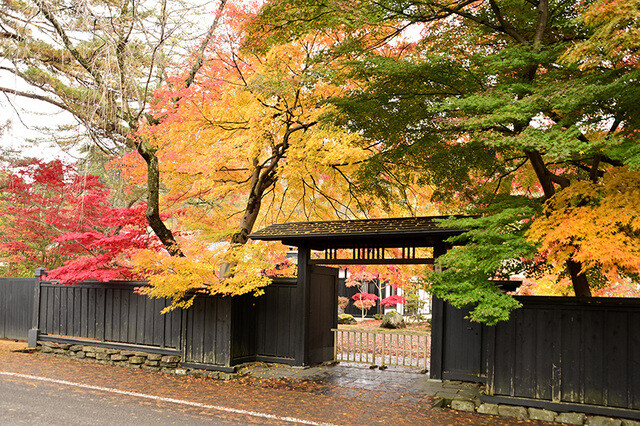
153,200
579,280
248,219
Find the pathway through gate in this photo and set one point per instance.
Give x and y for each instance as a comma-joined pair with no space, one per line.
382,349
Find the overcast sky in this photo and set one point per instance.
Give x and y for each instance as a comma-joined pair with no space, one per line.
27,118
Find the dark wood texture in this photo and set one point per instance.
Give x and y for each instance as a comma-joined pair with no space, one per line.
16,307
108,312
215,332
301,305
458,346
437,333
277,320
207,331
323,313
366,233
389,261
569,350
462,347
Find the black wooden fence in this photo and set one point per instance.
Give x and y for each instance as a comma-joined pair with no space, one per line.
16,307
569,353
215,333
560,353
458,346
108,312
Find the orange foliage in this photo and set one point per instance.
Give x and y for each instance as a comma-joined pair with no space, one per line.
596,224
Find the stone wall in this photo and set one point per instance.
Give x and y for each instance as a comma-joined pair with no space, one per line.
533,413
126,358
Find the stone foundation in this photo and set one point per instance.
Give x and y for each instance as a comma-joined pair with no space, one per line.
126,358
535,413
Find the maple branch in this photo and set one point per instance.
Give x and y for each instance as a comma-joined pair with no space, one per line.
330,199
11,36
197,64
504,175
508,28
351,187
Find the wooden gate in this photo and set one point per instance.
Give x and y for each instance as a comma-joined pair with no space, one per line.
458,346
323,313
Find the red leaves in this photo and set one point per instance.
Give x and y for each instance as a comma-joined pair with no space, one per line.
53,217
393,300
365,296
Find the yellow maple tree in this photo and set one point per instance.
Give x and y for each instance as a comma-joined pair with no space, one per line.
596,224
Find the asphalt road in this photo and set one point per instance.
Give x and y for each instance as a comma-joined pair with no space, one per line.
32,401
41,389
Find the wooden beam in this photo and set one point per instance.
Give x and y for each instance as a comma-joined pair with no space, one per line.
301,345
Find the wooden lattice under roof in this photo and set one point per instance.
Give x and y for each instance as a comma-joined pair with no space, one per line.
372,234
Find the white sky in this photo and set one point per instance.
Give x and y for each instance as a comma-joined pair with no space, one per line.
27,117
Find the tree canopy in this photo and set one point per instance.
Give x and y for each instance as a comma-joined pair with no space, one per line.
523,113
503,107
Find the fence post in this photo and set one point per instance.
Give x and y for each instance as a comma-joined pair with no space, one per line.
32,338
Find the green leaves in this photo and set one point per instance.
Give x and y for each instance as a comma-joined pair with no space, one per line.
494,248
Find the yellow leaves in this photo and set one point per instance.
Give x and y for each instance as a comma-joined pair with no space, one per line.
594,223
209,268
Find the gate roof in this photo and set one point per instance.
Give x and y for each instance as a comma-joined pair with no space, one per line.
368,233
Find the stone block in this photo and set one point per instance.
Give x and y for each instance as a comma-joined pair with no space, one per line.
88,348
512,411
90,354
180,372
463,405
540,414
225,376
134,353
50,344
100,350
75,348
112,351
213,374
199,374
571,418
46,349
603,421
154,357
64,346
102,356
118,357
152,363
627,422
149,367
488,409
59,351
80,355
166,370
170,359
135,360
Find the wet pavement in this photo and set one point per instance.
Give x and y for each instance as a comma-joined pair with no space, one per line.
390,384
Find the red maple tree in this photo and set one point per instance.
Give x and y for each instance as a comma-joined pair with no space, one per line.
56,218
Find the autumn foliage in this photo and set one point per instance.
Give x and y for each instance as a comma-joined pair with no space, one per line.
596,224
56,218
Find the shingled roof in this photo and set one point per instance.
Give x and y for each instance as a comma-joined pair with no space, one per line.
391,232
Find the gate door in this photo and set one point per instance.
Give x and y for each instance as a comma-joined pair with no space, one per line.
323,313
